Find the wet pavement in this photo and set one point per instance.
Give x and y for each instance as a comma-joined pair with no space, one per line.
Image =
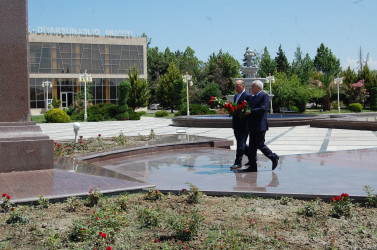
315,162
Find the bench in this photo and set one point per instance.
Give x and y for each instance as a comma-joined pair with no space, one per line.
287,110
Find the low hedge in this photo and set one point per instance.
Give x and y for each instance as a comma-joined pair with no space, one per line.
355,107
56,116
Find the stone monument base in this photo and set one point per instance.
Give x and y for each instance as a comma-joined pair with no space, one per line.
24,147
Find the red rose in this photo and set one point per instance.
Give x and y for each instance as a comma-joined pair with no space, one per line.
156,240
344,195
8,197
104,235
100,233
99,135
109,248
97,218
4,194
156,191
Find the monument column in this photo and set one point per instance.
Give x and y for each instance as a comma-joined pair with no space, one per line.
23,145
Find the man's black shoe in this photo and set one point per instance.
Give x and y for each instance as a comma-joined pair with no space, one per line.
250,169
235,166
275,162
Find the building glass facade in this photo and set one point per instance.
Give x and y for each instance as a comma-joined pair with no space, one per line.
60,60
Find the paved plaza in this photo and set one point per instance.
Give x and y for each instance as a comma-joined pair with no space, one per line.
314,162
281,140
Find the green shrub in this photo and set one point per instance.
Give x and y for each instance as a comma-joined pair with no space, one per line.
195,109
355,107
296,109
56,116
161,113
142,113
56,103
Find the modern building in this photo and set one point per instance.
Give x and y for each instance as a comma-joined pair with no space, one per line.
60,58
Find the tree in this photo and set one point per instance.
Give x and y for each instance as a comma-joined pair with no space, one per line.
188,62
349,77
326,62
288,92
221,68
139,94
123,92
169,86
211,89
267,65
302,67
282,64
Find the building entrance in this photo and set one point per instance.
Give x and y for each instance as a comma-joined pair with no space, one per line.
67,99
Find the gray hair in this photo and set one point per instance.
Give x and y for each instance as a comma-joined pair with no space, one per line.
258,83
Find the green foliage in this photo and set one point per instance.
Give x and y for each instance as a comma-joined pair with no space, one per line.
355,107
170,84
124,89
141,113
341,206
373,99
17,215
186,226
161,113
310,209
79,231
372,198
139,93
56,103
149,217
302,67
282,64
221,69
290,92
267,65
194,195
72,204
211,89
285,200
43,202
56,116
108,111
153,195
93,197
195,109
326,62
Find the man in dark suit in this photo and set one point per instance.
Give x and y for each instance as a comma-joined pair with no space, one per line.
258,126
239,124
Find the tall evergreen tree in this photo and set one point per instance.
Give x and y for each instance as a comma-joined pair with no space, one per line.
302,67
326,62
282,64
267,65
139,93
169,86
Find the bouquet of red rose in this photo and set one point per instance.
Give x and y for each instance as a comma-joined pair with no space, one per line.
232,108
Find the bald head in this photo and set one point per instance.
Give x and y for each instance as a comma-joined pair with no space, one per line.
239,86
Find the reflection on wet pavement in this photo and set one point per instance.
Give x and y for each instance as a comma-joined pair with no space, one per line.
307,175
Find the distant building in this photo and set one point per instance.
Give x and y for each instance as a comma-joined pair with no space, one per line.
61,58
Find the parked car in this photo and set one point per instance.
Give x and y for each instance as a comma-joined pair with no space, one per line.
154,106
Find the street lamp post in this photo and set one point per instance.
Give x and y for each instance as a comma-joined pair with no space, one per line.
338,80
85,78
46,85
187,79
270,79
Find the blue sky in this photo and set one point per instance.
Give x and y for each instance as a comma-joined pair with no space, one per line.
231,25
